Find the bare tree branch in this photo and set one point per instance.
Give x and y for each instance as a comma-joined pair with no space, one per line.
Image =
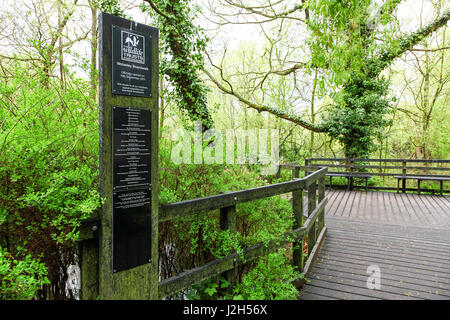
431,50
283,115
407,42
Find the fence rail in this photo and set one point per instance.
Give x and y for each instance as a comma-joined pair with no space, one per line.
379,160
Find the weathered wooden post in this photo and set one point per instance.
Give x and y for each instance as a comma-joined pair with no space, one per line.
321,218
228,222
297,206
89,259
128,105
404,174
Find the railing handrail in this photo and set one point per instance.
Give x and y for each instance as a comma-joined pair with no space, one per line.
313,228
190,277
380,160
390,168
310,228
320,165
404,167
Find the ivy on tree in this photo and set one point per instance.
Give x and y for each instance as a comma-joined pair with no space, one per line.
348,49
109,6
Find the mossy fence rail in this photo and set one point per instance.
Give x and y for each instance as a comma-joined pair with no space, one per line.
308,225
391,172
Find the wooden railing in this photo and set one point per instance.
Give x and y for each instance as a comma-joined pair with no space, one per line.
384,168
310,225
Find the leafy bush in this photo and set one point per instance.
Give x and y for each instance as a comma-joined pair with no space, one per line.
48,170
271,279
20,278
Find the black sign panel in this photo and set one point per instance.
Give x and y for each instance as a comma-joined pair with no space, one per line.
131,187
132,145
131,62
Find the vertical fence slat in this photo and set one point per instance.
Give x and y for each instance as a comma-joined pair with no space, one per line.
321,218
297,207
89,259
312,234
352,163
228,222
88,252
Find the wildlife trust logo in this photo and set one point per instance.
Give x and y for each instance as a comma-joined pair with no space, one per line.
133,47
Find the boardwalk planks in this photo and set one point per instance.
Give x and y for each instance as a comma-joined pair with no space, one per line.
412,251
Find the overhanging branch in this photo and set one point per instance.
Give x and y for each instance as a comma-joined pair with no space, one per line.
409,41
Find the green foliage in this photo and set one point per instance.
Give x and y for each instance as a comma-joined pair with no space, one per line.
376,181
198,239
346,41
210,289
336,37
20,277
345,35
271,279
48,168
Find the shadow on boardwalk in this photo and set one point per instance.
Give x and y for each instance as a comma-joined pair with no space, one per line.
407,236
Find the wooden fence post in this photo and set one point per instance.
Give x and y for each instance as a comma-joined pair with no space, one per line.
228,222
312,234
89,259
321,218
404,174
351,171
297,206
128,160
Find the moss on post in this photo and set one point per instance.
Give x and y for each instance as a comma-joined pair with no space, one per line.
140,282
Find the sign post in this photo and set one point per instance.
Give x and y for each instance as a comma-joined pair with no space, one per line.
128,103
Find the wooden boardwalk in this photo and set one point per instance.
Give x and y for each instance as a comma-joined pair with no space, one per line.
406,236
